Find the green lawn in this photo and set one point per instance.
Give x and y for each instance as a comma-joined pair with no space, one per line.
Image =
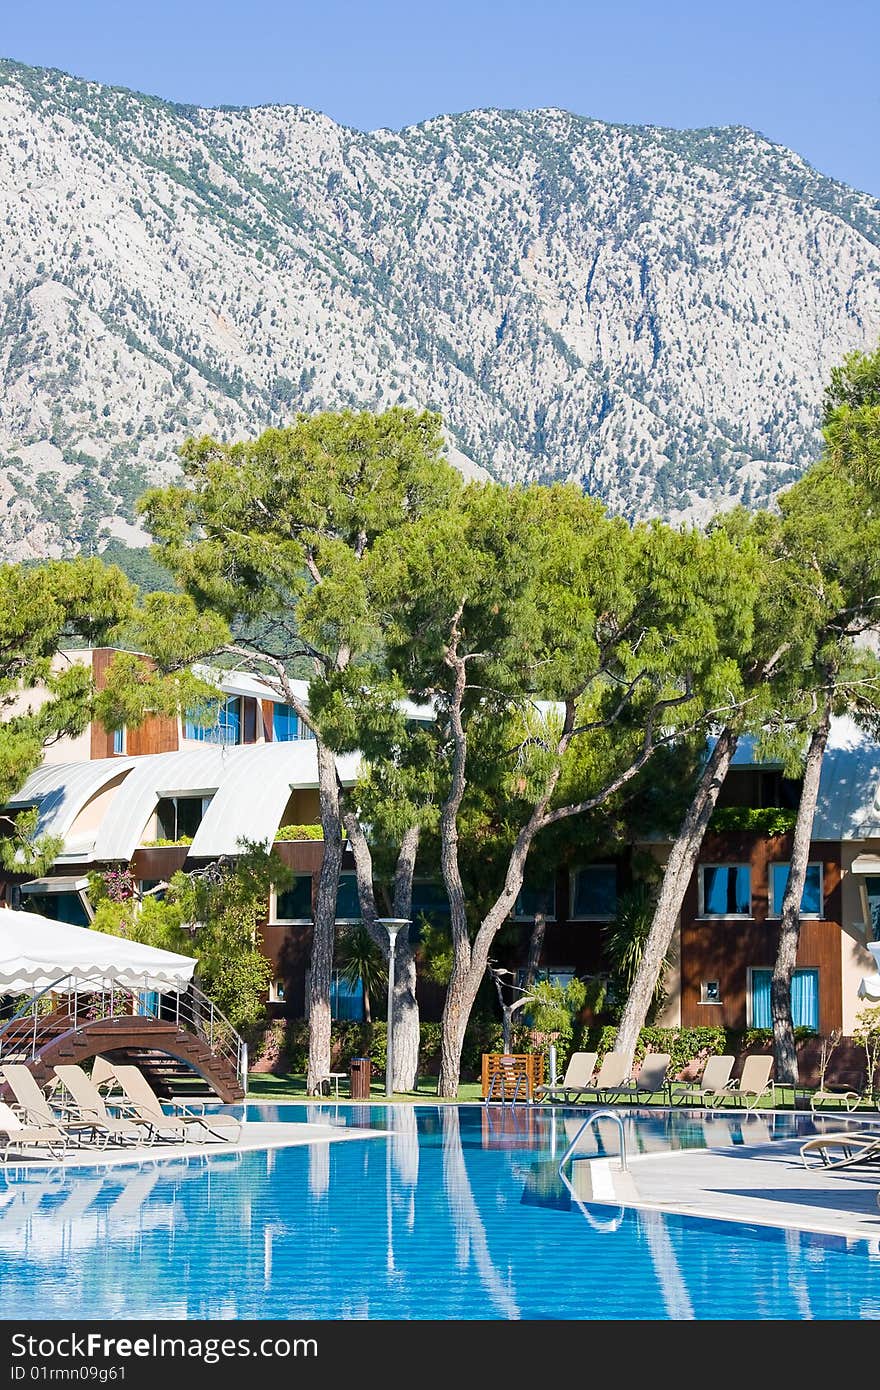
292,1086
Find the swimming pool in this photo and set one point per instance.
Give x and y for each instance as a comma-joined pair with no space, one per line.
459,1214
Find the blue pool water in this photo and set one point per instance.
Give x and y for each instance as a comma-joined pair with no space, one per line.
460,1214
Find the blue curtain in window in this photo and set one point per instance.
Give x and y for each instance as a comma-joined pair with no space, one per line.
225,730
348,905
199,731
229,727
811,898
872,888
429,900
294,904
727,890
761,1014
804,999
346,1001
534,898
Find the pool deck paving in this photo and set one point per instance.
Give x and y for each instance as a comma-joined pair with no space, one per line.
762,1184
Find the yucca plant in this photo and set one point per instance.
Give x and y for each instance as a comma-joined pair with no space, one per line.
624,940
359,959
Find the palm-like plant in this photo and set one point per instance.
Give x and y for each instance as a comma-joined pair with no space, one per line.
624,941
360,960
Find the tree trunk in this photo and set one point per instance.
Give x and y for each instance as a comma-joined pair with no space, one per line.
790,924
407,1030
461,990
324,921
405,1009
676,877
470,958
536,946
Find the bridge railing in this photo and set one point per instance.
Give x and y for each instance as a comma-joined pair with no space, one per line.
75,1000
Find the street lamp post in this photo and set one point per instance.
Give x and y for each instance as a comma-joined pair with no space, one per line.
392,925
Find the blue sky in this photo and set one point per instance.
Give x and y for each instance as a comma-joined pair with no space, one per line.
804,74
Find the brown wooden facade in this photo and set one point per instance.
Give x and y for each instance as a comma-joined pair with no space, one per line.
160,734
724,949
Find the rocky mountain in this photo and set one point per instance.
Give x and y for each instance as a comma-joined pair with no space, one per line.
650,312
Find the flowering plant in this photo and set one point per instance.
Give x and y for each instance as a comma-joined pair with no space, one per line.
120,885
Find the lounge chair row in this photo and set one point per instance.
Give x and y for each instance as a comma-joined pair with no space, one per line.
75,1111
612,1082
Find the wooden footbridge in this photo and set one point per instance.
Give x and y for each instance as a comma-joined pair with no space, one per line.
182,1042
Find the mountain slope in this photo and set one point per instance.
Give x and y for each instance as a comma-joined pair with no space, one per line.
652,313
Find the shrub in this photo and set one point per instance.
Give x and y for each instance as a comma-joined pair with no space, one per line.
761,820
299,832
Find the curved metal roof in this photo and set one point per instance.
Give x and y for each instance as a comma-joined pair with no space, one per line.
250,785
61,790
250,800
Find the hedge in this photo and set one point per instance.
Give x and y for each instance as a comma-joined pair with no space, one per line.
282,1046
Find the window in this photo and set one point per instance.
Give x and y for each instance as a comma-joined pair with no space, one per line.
287,725
295,903
594,892
276,992
225,729
870,890
119,740
710,992
147,1004
725,890
348,905
811,898
429,900
179,817
804,999
60,907
535,898
561,975
346,1000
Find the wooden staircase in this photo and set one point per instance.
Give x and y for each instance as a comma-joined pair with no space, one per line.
176,1061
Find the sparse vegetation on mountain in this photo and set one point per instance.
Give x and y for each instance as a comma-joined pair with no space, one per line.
649,313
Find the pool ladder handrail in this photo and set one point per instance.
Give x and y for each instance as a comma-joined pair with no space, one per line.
502,1075
595,1115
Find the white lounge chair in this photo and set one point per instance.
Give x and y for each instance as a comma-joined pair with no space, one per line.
754,1082
715,1076
578,1075
651,1080
34,1107
90,1108
842,1147
612,1076
17,1135
144,1105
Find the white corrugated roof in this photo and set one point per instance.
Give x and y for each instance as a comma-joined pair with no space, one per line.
61,790
250,785
251,797
234,682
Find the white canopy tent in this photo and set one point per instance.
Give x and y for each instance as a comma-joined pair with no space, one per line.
37,953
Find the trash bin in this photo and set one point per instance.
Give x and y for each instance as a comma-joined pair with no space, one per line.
360,1078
